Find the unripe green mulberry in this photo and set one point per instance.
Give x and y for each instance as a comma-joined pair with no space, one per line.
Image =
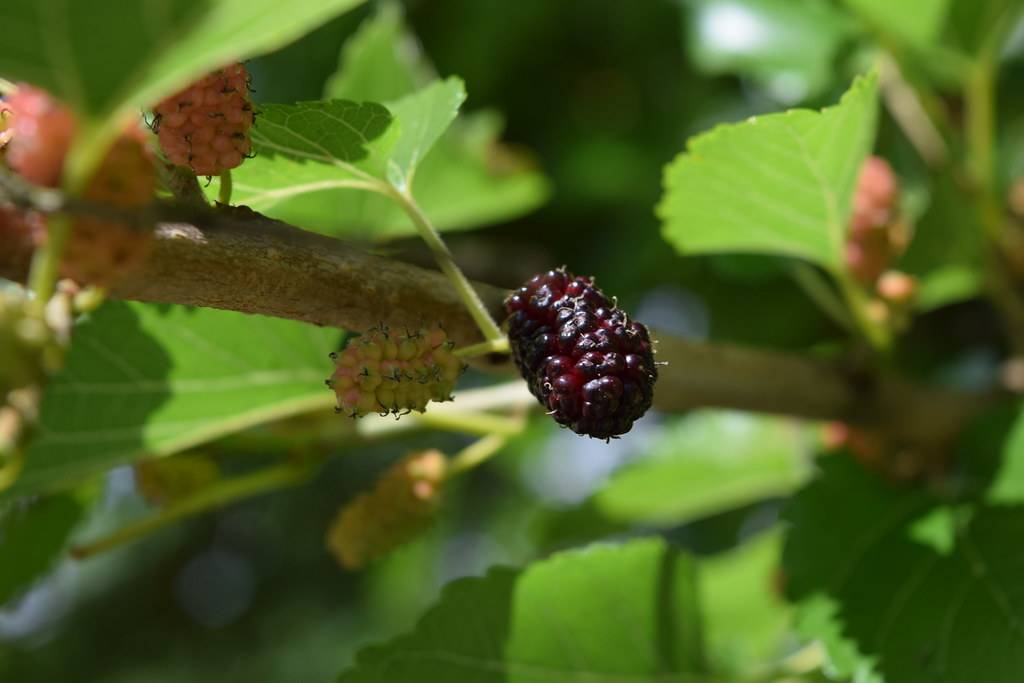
399,507
383,373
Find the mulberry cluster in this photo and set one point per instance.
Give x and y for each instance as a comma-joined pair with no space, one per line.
400,506
101,251
581,355
874,239
381,372
98,250
206,126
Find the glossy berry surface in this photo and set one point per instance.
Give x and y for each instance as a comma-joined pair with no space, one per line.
206,126
582,357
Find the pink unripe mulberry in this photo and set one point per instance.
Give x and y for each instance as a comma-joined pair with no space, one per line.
206,126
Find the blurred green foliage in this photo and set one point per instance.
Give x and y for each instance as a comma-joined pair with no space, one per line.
573,111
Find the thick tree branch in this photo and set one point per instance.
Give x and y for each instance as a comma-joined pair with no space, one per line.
236,259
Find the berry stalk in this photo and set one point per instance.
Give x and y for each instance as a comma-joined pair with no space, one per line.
443,256
220,494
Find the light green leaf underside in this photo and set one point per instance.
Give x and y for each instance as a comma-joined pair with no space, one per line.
605,614
746,620
708,463
153,380
425,116
776,184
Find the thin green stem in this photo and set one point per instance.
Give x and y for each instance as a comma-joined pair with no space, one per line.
823,294
483,348
874,331
475,454
480,424
980,123
224,195
474,304
42,277
217,495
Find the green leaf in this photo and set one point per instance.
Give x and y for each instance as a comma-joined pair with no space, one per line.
918,22
153,380
346,135
777,184
383,61
109,59
788,47
746,621
707,463
467,180
602,614
883,590
425,114
31,538
946,253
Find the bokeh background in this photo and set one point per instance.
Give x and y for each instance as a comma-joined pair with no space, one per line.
597,95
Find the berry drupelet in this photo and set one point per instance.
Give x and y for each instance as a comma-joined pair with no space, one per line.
583,358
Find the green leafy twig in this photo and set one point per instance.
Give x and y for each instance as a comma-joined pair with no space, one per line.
475,454
483,348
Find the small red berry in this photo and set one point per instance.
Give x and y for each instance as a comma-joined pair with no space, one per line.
871,244
41,131
206,126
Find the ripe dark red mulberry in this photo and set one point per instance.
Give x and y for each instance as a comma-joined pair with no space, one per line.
206,126
583,358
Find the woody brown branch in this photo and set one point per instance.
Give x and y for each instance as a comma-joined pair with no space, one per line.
236,259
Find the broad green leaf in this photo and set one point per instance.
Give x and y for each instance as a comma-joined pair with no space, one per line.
746,620
946,253
973,23
884,592
603,614
153,380
109,59
777,184
425,115
381,62
31,537
467,180
336,132
919,22
788,47
707,463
